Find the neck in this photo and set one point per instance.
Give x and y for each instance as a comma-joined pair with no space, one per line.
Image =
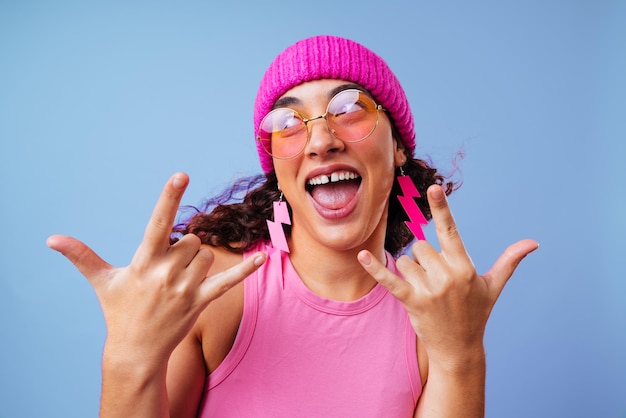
334,273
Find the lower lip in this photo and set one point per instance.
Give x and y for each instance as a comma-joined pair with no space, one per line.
340,213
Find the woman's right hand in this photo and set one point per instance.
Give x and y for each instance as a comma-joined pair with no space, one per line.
151,304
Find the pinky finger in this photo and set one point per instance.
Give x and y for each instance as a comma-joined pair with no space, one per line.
215,286
396,286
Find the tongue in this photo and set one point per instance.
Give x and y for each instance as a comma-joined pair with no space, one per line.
334,195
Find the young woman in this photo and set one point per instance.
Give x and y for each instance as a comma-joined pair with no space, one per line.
327,323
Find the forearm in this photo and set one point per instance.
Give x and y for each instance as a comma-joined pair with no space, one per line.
133,388
454,390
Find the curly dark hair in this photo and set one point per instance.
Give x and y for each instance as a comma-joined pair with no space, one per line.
237,223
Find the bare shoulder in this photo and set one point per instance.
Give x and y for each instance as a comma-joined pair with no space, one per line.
217,326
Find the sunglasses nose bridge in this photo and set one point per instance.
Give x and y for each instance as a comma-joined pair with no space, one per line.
306,122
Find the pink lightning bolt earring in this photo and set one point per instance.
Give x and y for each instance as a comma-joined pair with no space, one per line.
281,216
416,217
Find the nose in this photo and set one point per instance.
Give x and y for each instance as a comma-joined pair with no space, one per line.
321,140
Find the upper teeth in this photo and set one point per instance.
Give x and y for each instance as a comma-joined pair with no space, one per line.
334,177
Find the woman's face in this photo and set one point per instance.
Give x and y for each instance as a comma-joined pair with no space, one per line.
350,211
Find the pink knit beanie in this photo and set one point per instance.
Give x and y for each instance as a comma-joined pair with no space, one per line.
333,58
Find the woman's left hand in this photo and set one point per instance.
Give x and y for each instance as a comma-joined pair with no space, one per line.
447,301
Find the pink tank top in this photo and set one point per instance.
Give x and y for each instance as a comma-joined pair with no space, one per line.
297,354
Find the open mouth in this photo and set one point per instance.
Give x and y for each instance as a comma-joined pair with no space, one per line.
334,190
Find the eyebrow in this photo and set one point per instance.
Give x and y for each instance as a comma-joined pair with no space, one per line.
288,101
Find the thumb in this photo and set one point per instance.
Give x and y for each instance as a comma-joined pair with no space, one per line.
502,270
84,258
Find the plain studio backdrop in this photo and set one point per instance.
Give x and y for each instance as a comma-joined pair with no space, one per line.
100,102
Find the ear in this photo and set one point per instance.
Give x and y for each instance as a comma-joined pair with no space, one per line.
399,155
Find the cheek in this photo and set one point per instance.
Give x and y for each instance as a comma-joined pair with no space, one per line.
380,169
286,173
377,152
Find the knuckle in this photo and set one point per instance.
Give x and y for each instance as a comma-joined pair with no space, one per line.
141,261
219,284
420,247
449,230
160,222
192,238
467,273
185,289
461,273
164,275
446,284
457,278
224,286
190,241
512,257
398,289
405,261
204,256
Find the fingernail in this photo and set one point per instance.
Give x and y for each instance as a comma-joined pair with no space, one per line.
437,193
259,259
365,259
178,182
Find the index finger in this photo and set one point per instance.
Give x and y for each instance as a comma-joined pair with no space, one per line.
157,234
445,226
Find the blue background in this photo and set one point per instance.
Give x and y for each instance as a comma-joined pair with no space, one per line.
101,101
